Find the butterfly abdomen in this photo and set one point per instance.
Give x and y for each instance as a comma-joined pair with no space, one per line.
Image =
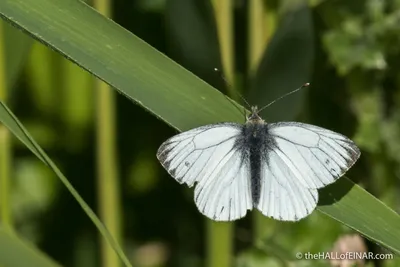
256,141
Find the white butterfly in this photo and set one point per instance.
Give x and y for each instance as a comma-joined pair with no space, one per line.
274,167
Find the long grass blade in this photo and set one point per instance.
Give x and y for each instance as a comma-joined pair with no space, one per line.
12,123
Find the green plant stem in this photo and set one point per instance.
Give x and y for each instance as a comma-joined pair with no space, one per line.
107,171
219,244
220,235
224,18
257,33
262,23
5,146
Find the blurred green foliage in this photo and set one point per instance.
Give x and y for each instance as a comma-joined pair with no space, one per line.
348,51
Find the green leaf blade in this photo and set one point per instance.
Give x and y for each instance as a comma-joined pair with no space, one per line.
15,252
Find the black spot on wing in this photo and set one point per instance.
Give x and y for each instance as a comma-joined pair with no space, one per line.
352,157
332,170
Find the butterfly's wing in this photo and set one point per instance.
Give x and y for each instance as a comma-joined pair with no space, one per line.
301,159
210,157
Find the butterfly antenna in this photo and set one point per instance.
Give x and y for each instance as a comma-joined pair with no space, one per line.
229,85
285,95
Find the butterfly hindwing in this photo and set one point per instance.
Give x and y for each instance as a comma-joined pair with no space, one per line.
282,197
209,156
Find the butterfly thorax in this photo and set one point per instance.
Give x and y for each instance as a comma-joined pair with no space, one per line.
254,117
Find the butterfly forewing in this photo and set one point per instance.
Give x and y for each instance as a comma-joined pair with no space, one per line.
316,156
210,156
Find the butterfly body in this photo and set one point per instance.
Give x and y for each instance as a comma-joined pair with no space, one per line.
255,142
273,167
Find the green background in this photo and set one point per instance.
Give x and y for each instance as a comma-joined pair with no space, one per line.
160,56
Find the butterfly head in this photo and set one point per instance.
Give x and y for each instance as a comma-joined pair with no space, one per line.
254,117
